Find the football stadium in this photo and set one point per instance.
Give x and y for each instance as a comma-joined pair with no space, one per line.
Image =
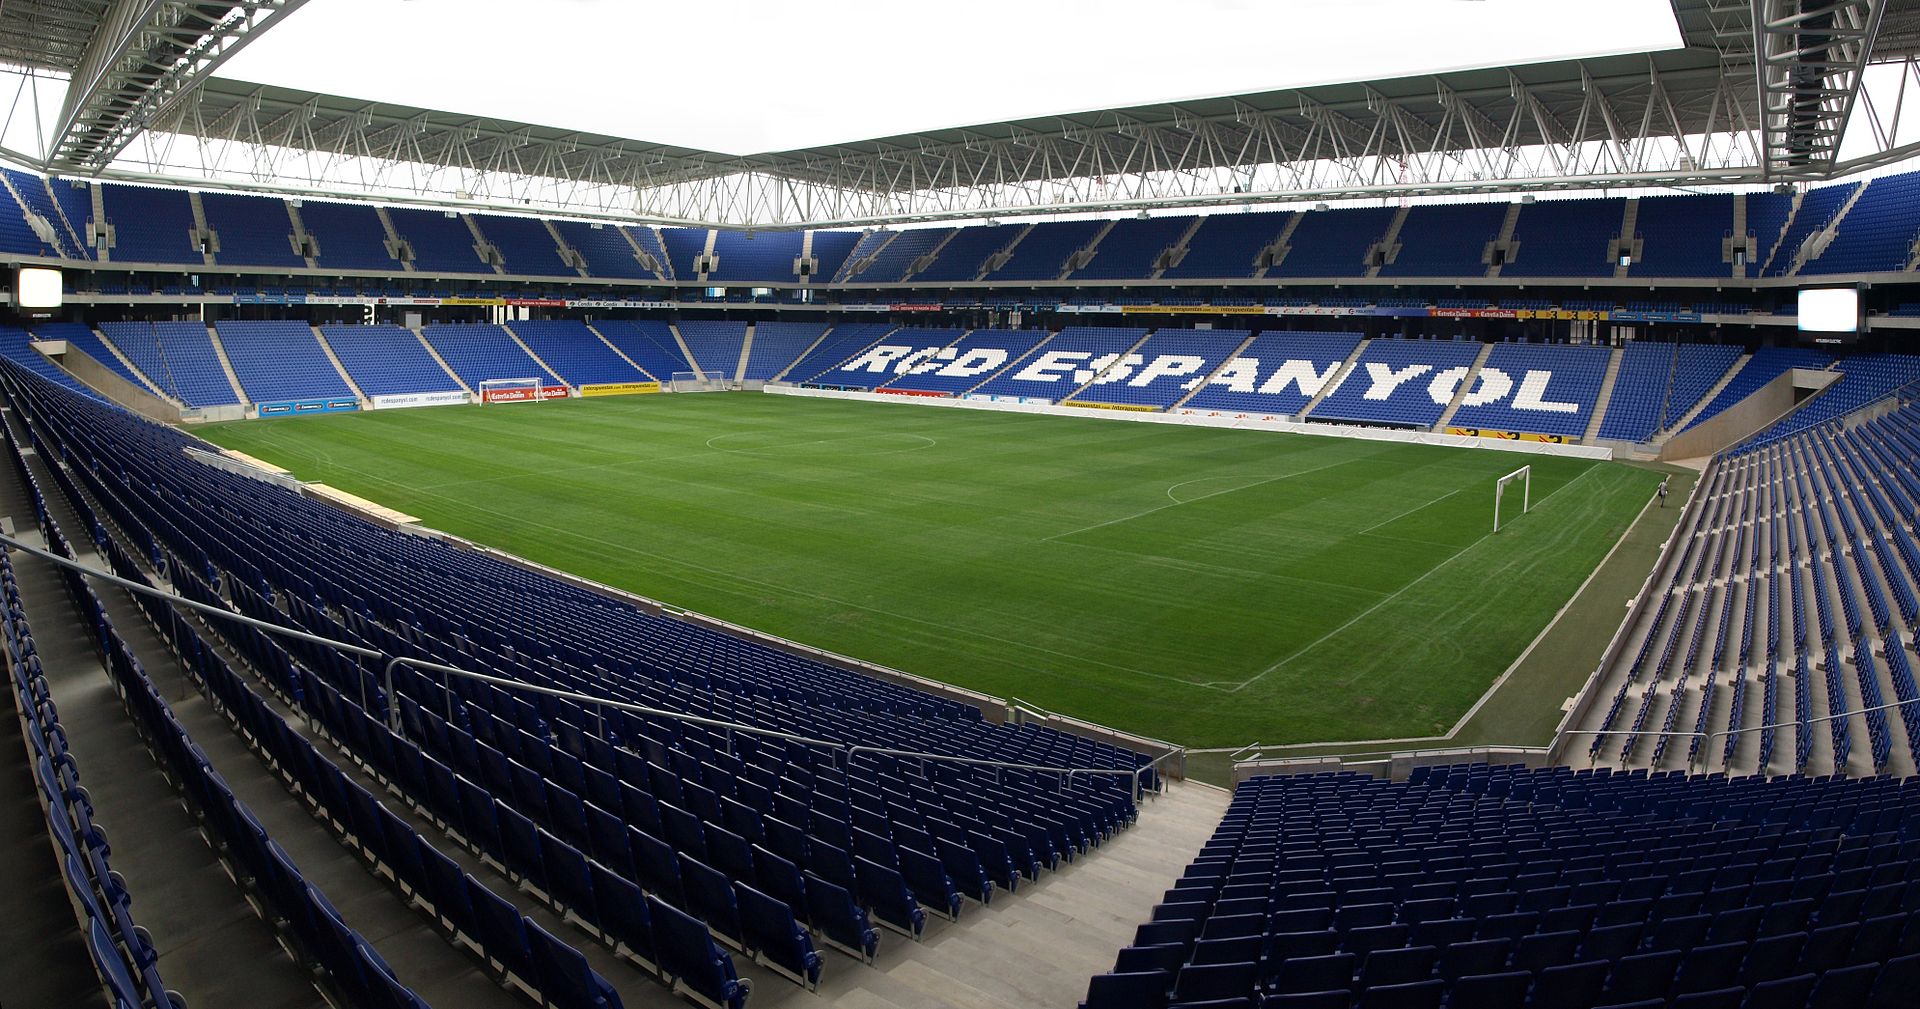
1325,504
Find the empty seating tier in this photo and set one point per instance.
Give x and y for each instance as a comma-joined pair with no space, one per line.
280,361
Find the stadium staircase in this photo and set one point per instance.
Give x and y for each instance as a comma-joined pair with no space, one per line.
686,351
1817,243
201,924
623,354
1629,224
551,371
1738,270
1282,245
825,335
1466,386
441,361
1389,245
395,245
1339,377
100,232
71,229
300,236
1504,239
1786,227
208,254
927,258
746,352
226,366
1605,398
1201,385
568,253
1178,250
132,369
1084,255
327,349
999,259
1661,437
484,248
1118,360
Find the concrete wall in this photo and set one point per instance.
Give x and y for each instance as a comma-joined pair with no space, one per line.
1772,401
107,383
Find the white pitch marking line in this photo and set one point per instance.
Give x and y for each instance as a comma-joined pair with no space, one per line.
1408,512
1363,614
1203,497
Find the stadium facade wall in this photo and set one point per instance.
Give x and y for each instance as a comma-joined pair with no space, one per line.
1238,422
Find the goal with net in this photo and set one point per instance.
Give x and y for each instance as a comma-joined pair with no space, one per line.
518,390
693,381
1525,477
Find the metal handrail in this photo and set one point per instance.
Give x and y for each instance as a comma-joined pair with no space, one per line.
393,661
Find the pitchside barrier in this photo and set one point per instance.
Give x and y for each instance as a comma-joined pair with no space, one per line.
1225,419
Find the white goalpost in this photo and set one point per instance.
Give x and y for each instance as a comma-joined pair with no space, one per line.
1525,475
693,381
512,390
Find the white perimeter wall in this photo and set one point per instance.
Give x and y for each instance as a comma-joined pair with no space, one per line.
1241,423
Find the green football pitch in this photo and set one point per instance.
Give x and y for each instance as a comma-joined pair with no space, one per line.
1208,587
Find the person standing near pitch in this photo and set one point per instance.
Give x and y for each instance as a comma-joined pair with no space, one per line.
1663,492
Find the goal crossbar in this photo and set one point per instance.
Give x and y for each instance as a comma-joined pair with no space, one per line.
1525,475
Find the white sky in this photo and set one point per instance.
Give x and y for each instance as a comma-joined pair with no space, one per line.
752,76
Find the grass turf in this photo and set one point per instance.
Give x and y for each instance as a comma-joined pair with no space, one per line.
1204,586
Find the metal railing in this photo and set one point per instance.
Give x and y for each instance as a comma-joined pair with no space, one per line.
392,662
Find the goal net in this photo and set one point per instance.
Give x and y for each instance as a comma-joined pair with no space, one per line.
693,381
1524,475
515,390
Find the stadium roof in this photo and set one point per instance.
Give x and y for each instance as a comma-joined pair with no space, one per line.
1745,100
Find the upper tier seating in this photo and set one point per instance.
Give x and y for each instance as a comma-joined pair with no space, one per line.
776,345
442,243
1401,382
716,346
570,348
831,249
151,225
1680,236
280,361
1446,240
605,248
975,358
1877,234
1330,244
525,245
348,236
1502,888
1863,379
1818,207
1042,254
82,338
1767,364
649,241
16,235
756,256
1228,245
1130,249
252,230
387,360
1169,365
479,352
864,248
963,257
1639,392
907,349
1535,389
1565,238
682,246
178,357
897,257
648,343
75,200
1278,374
1068,361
